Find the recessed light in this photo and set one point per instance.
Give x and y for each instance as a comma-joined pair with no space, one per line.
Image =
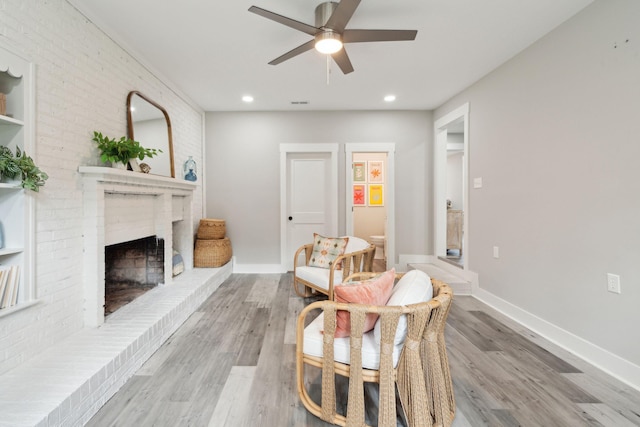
247,98
390,98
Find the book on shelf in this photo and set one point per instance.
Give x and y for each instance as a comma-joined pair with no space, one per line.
4,275
10,282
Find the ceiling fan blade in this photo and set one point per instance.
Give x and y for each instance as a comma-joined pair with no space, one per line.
343,61
294,52
341,16
292,23
357,36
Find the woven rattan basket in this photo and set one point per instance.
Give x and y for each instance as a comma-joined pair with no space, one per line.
211,229
212,253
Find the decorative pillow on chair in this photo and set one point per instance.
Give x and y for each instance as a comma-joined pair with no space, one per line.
326,250
375,291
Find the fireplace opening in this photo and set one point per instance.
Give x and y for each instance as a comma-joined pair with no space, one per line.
131,269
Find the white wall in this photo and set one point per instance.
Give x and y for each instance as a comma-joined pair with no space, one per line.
82,80
554,135
242,167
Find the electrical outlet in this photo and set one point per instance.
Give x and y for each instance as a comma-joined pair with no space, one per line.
613,283
496,252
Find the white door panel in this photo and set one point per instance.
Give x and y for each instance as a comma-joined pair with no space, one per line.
308,200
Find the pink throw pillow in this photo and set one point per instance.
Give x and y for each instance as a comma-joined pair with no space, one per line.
376,291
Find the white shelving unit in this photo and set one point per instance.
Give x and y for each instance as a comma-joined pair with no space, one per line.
16,204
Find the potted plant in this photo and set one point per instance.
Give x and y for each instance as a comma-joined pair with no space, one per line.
121,150
22,166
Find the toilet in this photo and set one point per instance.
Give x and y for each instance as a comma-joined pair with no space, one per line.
379,241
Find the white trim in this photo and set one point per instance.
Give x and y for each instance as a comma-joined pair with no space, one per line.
258,269
390,202
604,360
440,159
285,149
203,170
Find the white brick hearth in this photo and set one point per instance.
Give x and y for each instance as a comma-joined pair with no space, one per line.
68,383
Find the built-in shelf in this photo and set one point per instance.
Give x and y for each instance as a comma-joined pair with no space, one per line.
6,120
17,211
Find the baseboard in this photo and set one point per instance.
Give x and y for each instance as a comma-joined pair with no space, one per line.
257,268
614,365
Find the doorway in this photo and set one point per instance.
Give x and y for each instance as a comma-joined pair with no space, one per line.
370,198
308,196
451,187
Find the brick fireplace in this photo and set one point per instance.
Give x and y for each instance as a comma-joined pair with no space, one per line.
123,206
71,380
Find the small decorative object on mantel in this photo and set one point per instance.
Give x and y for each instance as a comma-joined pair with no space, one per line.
120,152
190,170
145,168
21,167
3,104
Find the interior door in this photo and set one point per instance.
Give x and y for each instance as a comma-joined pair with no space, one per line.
308,200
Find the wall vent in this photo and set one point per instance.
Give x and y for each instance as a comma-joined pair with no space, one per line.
299,102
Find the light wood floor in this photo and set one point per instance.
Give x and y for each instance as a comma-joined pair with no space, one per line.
233,364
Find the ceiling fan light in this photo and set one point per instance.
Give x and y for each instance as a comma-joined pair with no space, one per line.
328,42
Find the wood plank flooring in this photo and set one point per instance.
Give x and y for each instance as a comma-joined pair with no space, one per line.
233,364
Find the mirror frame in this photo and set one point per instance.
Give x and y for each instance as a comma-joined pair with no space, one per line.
166,116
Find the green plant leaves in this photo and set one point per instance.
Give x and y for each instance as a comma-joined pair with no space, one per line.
21,166
121,150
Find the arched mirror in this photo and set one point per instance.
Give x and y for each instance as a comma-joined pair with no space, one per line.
149,124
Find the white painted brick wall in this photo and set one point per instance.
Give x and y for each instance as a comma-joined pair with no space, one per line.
82,79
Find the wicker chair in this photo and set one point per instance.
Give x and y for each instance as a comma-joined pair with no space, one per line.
419,368
358,257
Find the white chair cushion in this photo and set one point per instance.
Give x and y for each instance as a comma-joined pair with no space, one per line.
414,287
356,244
318,276
314,338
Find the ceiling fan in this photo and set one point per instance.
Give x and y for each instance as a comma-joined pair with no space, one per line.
330,33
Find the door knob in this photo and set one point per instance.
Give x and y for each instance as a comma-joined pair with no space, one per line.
290,218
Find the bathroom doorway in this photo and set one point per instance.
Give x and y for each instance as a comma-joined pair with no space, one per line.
370,198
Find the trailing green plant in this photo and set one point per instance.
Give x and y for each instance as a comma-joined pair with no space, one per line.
121,150
23,167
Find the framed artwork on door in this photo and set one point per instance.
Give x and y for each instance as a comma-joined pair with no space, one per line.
376,172
376,195
359,171
359,195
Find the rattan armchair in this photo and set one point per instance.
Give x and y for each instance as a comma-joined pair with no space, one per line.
419,365
358,257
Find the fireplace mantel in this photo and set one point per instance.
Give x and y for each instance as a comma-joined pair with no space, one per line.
123,205
104,174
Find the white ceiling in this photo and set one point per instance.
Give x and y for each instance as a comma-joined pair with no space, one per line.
215,51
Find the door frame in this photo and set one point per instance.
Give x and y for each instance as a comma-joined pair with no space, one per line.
389,193
285,150
440,182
